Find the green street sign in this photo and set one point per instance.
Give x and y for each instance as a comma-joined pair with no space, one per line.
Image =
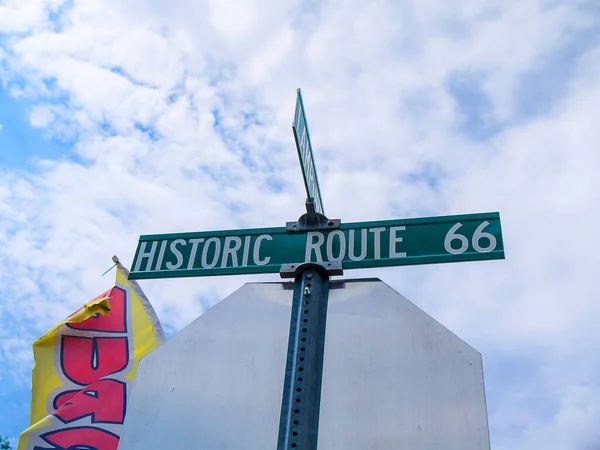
444,239
305,153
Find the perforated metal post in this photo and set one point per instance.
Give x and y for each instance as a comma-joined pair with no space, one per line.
299,423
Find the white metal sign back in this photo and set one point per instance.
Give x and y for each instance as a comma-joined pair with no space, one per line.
393,377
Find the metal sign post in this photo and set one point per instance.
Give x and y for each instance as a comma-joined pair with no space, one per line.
301,400
300,406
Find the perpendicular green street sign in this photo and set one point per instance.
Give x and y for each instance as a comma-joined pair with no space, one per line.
443,239
305,154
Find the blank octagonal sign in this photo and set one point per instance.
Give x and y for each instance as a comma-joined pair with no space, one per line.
393,377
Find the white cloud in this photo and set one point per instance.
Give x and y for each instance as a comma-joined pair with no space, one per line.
231,24
16,17
41,116
375,77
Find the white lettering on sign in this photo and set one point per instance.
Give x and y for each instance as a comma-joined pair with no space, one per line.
394,239
363,245
193,252
346,244
246,251
213,263
342,247
377,240
228,250
161,255
256,255
479,233
314,246
177,253
143,254
453,236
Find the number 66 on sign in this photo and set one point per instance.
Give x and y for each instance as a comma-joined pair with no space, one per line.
479,234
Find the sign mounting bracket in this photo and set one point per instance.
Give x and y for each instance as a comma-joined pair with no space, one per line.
328,268
312,220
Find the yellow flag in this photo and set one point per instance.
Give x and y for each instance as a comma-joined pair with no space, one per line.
84,370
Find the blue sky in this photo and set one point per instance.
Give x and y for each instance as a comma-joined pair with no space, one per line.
22,144
162,118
